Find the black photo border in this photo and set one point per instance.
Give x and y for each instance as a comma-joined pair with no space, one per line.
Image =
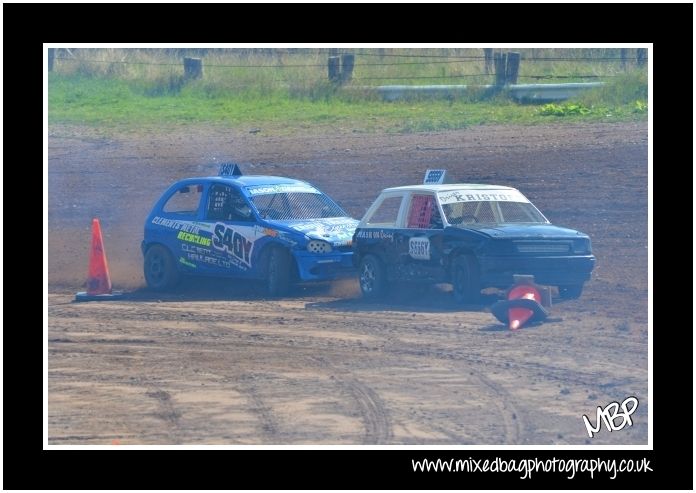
670,460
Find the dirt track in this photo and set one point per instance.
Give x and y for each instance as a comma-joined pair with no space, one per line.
213,364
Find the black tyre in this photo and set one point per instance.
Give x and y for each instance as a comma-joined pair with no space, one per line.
570,292
277,271
466,283
159,268
373,279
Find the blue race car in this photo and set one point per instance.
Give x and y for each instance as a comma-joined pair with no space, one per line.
472,236
268,228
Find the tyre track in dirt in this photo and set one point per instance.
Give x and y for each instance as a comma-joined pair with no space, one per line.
378,429
349,359
268,428
167,413
376,419
510,414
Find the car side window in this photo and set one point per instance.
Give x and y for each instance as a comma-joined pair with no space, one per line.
227,204
185,201
386,213
423,213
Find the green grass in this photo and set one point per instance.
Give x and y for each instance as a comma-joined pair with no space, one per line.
624,89
265,87
105,102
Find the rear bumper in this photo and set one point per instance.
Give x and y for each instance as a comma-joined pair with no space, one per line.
551,270
313,267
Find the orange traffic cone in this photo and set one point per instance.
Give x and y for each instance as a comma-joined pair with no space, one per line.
517,316
98,280
523,304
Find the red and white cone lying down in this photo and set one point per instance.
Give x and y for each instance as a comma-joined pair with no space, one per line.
523,305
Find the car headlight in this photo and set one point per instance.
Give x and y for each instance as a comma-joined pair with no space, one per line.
319,246
582,246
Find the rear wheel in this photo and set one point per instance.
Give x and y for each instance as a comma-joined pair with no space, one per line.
278,271
570,292
159,269
466,283
373,281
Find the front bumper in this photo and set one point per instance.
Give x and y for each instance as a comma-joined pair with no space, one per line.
324,267
497,271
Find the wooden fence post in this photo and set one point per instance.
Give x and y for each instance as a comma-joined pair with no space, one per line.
334,68
641,56
500,61
347,64
193,68
488,59
51,55
513,68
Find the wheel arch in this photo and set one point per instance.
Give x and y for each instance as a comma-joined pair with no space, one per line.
457,252
169,272
148,246
265,249
376,250
377,284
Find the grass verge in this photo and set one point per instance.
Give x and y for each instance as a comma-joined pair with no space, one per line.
79,99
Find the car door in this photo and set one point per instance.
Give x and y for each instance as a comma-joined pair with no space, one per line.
178,224
232,220
418,240
376,230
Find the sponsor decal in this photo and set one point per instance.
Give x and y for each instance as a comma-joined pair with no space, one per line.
216,261
338,230
186,226
282,188
203,226
228,248
419,248
227,239
195,249
375,234
210,257
192,238
262,231
187,263
464,195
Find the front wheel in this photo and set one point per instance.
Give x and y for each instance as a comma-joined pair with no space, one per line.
466,284
278,269
373,281
570,292
159,269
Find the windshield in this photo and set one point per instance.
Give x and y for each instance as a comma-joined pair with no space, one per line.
489,206
492,212
296,205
